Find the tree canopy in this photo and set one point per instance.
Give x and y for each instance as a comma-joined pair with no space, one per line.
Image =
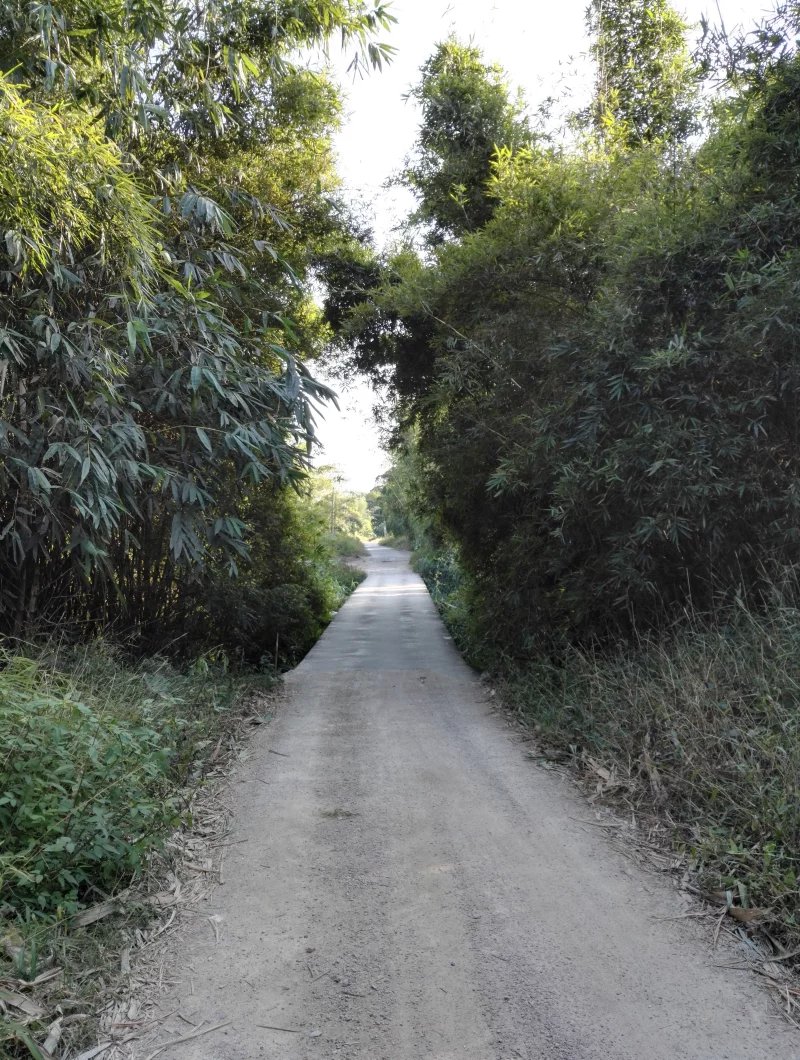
647,84
601,368
467,113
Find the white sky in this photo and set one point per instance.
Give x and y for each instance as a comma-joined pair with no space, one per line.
541,45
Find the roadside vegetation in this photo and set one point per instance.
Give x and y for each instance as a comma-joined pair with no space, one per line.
96,755
100,760
592,343
103,751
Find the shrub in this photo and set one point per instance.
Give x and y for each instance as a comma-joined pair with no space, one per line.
451,591
84,794
96,756
344,546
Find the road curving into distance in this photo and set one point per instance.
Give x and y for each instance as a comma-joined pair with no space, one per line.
404,884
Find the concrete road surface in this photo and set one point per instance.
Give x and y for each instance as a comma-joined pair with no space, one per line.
410,885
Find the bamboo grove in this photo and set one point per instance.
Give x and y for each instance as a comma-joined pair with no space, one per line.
166,185
593,340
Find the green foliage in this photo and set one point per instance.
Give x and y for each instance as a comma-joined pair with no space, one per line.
396,499
606,413
64,185
83,795
712,715
165,186
466,114
278,606
344,546
647,85
339,511
94,755
99,764
452,592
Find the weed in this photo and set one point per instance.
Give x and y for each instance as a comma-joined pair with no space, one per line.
98,760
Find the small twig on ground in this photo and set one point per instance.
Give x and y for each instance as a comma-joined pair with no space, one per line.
596,824
188,1037
684,916
782,957
718,928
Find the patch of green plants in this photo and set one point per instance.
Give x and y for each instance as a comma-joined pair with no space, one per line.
345,578
94,759
450,590
83,794
344,546
99,758
400,541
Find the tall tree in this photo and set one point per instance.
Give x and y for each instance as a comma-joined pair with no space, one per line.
608,410
467,113
164,176
646,89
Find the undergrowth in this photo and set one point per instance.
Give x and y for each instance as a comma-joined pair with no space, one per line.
396,541
95,756
344,546
705,728
97,763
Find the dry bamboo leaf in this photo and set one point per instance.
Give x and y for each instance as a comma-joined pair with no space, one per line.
187,1038
21,1003
653,775
12,946
746,916
604,774
97,1050
162,899
45,977
53,1035
95,913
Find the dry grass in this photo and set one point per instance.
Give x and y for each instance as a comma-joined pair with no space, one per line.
697,735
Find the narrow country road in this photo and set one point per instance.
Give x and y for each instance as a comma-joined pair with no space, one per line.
406,885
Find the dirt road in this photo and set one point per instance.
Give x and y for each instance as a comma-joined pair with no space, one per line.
405,885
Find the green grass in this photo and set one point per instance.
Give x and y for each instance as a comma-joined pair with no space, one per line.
396,541
98,761
95,755
344,546
705,729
